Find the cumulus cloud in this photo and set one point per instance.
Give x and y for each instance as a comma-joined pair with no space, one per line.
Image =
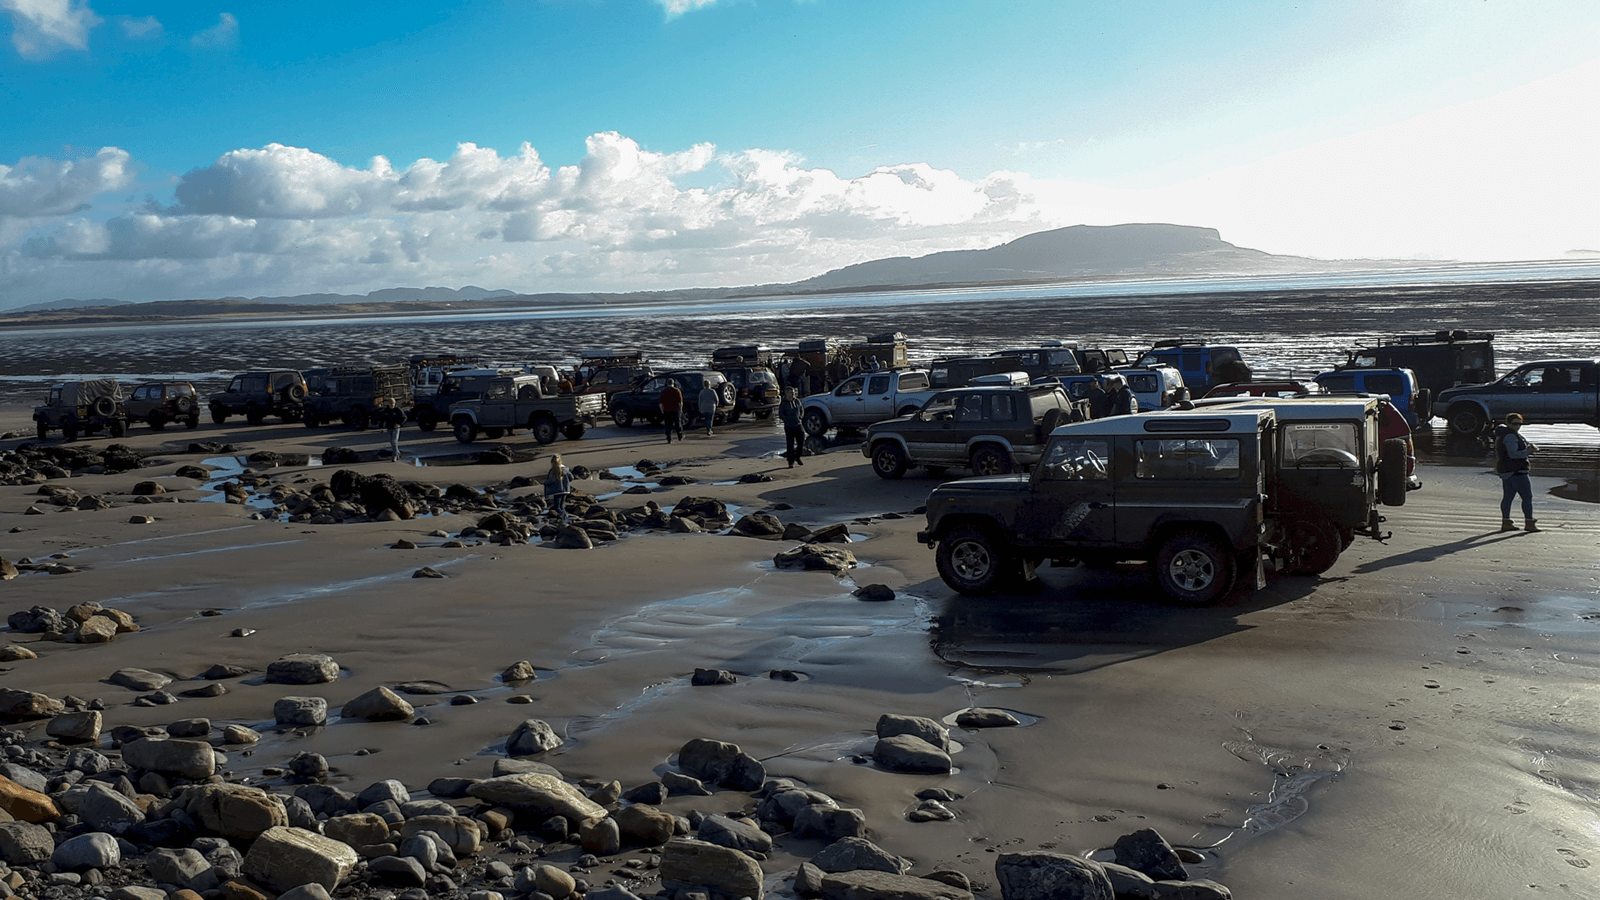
675,8
40,28
38,186
223,34
140,29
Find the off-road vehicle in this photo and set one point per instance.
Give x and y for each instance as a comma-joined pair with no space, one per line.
755,385
644,401
1548,392
81,408
354,394
510,402
860,400
1202,495
256,395
1202,364
991,429
158,402
609,371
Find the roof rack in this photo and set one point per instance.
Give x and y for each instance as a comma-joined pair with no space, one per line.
1438,337
1177,342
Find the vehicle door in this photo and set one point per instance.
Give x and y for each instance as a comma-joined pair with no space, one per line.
1181,478
499,405
1321,474
1073,495
849,402
878,402
1558,397
140,402
1521,391
254,387
646,399
929,433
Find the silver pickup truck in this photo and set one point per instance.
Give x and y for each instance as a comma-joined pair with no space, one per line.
1547,392
862,399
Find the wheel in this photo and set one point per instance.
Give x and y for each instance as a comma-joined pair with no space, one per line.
888,460
295,392
43,429
814,422
359,419
991,460
493,433
104,406
184,404
310,418
1467,421
466,430
574,431
622,416
156,421
1310,548
69,431
1347,536
727,393
219,415
427,419
1192,569
117,428
193,421
1392,472
969,561
254,414
544,429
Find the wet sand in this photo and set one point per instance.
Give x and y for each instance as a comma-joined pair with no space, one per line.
1417,722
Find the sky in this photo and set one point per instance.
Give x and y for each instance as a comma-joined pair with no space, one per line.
157,150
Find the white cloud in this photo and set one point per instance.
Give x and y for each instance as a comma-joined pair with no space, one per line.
37,186
140,29
677,8
40,28
223,34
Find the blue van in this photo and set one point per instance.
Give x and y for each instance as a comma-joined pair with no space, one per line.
1404,391
1203,366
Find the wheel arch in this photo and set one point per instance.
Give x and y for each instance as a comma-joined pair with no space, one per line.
1166,528
954,521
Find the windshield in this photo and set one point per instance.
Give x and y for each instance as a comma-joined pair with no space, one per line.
1335,444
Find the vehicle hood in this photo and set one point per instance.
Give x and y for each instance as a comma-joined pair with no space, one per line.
988,485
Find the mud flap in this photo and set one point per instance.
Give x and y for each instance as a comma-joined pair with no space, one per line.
1260,569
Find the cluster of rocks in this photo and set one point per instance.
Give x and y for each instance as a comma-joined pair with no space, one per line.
34,463
84,623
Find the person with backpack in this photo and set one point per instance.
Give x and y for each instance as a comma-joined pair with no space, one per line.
1511,452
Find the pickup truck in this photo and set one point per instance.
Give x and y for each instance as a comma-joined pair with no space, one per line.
1548,392
514,401
1202,495
866,398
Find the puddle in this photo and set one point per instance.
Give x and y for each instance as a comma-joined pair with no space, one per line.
1296,774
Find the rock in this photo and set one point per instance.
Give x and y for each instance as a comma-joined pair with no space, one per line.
295,712
829,822
876,593
88,760
15,652
19,705
139,679
905,753
95,850
531,737
378,705
22,776
125,622
357,829
783,801
951,877
77,727
137,892
653,793
8,569
679,785
930,811
871,885
553,881
1203,889
721,763
507,766
190,728
233,890
607,794
305,892
519,672
283,858
982,717
190,759
830,534
929,730
852,853
736,834
645,825
539,795
708,677
1045,875
428,572
764,526
98,630
571,537
37,620
231,810
1130,883
102,807
239,734
141,520
403,544
389,790
459,833
811,556
221,670
724,873
181,867
808,880
25,844
303,668
1147,851
400,870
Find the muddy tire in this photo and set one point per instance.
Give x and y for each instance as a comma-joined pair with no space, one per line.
69,431
622,416
1392,473
427,419
466,430
1193,569
156,421
117,428
1467,421
970,561
574,431
544,429
991,460
814,422
888,460
218,415
1310,548
193,421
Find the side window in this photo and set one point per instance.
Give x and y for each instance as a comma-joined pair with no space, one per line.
1527,378
141,392
879,384
1338,382
1393,385
499,390
1003,407
253,384
1143,384
969,408
1187,460
1077,459
655,386
914,381
851,388
1560,379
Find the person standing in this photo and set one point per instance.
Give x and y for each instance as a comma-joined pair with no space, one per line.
793,435
1511,452
672,410
557,485
392,417
1099,400
708,404
1123,402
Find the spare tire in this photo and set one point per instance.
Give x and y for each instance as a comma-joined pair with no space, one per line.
727,393
184,404
296,391
104,406
1392,472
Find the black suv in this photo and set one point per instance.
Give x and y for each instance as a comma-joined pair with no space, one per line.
354,394
256,395
990,429
644,401
755,390
82,407
158,402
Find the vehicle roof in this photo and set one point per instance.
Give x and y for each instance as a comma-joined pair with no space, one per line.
611,354
1229,419
1001,389
1312,407
1343,370
488,373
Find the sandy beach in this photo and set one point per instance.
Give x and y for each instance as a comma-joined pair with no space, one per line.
1417,722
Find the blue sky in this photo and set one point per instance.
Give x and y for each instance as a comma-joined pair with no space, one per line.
151,150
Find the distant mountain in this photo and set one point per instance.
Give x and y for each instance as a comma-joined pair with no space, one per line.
68,304
391,295
1080,251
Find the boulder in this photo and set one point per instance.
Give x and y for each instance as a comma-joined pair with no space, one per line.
181,867
95,850
811,556
231,810
764,526
872,885
460,833
602,837
102,807
906,753
37,620
293,712
358,829
784,802
519,672
19,705
189,759
645,825
98,630
722,872
1046,875
303,668
852,853
539,795
190,728
829,823
15,652
283,858
25,844
875,593
378,705
1147,851
553,881
929,730
75,727
390,789
1203,889
711,677
531,737
983,717
571,537
736,834
508,766
721,763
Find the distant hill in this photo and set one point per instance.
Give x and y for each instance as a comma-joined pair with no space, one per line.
67,304
1079,251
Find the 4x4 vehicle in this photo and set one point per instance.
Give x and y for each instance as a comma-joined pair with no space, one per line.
1202,365
1441,360
863,399
1156,386
82,407
433,407
1400,385
755,385
955,371
644,402
609,371
256,395
510,402
158,402
1548,392
428,370
354,394
1050,358
1202,495
990,429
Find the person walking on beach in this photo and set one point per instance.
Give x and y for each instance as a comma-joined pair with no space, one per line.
557,485
392,417
708,405
793,435
1511,452
672,410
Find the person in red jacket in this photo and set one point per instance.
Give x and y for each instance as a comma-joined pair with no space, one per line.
672,410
